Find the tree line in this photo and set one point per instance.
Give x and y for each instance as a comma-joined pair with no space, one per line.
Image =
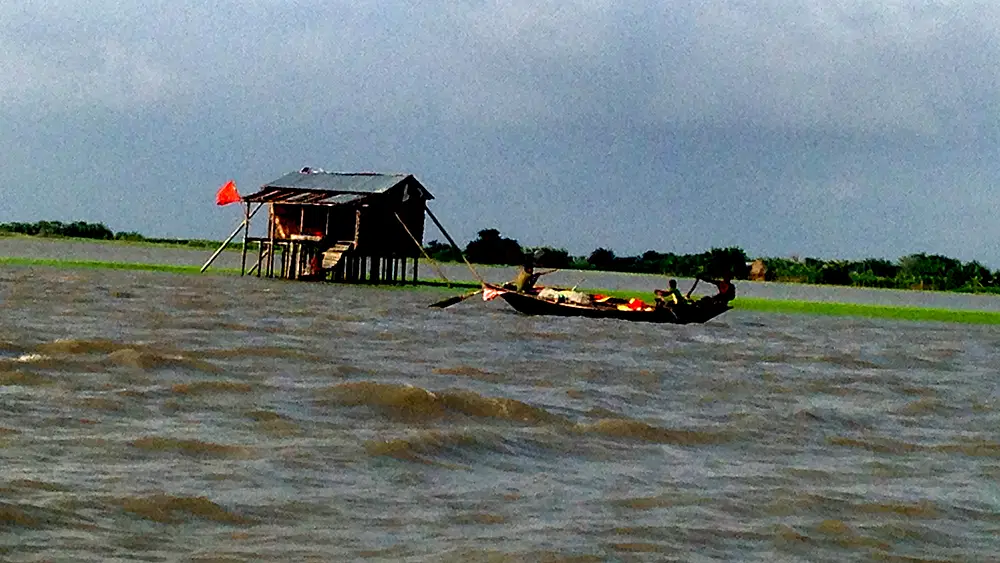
914,271
490,247
93,231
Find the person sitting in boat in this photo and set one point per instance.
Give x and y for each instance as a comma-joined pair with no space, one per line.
526,277
727,291
671,297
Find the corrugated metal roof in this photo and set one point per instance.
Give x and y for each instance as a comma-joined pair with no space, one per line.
364,182
317,187
300,196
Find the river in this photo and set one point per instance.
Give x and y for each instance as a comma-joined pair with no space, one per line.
171,417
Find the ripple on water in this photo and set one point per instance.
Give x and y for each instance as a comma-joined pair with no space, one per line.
211,387
415,403
159,416
190,447
171,509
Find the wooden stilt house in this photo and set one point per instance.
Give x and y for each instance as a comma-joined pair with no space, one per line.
350,227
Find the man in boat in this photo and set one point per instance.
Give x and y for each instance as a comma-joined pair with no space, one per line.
727,291
671,297
526,276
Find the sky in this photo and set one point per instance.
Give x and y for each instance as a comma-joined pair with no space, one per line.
838,129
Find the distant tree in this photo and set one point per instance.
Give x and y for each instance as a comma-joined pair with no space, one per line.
81,229
129,236
834,273
652,262
730,261
788,270
442,252
878,267
579,263
49,228
491,248
931,271
978,276
601,259
77,229
547,257
625,264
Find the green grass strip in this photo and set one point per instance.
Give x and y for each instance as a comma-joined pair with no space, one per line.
97,264
903,313
796,307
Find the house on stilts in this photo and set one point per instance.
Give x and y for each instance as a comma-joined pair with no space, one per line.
347,227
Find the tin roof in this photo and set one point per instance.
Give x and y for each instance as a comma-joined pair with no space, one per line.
304,197
317,187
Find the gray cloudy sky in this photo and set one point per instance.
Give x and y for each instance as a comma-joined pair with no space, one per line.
835,129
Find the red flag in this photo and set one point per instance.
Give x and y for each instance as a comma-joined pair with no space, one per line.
227,194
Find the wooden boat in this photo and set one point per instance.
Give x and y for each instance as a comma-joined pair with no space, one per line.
531,304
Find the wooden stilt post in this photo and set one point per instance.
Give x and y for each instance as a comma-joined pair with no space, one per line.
260,258
246,235
422,251
270,238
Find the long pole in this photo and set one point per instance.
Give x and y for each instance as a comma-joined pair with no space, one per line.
223,247
228,240
452,241
424,252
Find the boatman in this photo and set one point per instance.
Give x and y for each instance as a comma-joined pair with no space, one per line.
671,297
727,291
526,277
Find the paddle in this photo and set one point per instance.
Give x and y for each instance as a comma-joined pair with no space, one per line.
540,274
454,300
690,291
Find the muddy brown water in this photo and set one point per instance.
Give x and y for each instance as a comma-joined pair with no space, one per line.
167,417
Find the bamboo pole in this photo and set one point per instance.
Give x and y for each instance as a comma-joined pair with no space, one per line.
223,247
246,234
452,241
228,240
434,265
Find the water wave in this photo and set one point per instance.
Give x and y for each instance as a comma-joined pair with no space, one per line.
171,509
190,447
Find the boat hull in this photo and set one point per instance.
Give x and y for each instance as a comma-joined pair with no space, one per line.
698,312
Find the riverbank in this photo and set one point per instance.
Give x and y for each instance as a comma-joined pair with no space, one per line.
443,287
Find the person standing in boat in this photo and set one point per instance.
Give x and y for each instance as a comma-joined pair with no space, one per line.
727,291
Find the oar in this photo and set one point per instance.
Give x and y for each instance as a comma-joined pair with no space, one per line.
690,291
454,300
